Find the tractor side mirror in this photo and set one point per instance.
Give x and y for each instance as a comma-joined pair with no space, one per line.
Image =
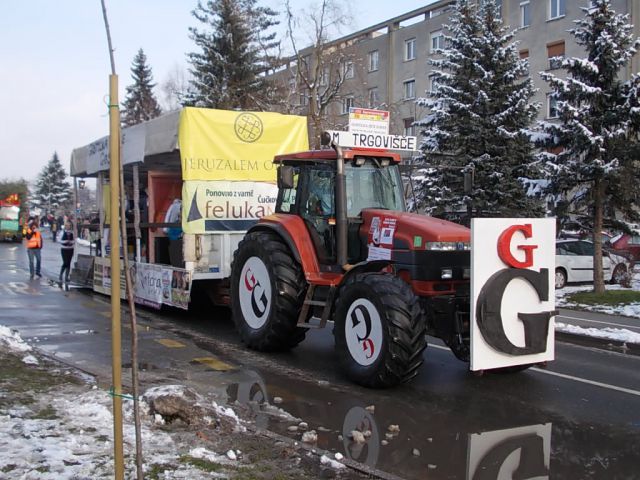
285,177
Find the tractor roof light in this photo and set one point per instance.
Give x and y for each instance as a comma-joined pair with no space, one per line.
384,162
359,161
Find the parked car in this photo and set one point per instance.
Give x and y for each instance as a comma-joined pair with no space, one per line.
574,263
628,244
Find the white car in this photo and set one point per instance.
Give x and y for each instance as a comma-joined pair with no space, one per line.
574,263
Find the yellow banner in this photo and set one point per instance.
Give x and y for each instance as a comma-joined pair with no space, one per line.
232,145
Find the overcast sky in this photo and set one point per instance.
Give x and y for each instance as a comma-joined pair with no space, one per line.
54,66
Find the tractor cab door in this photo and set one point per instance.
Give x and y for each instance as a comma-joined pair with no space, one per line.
318,210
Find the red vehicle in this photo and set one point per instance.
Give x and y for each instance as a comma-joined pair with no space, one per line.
342,248
628,244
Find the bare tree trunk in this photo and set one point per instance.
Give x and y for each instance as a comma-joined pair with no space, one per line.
598,206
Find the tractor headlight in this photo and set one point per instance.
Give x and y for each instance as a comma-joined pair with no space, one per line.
447,246
446,273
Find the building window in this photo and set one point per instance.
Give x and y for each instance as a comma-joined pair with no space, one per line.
556,8
374,58
409,89
324,77
374,98
409,128
347,103
347,69
524,55
410,49
433,84
304,98
525,14
555,52
437,41
552,106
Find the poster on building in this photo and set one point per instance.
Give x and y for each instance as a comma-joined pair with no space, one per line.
102,277
147,282
180,288
230,206
153,285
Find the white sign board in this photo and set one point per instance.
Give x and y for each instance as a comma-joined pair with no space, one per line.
368,121
132,150
512,291
364,140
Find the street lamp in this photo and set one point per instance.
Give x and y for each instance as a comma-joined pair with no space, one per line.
82,184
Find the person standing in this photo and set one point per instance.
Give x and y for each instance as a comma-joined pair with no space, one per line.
67,242
34,246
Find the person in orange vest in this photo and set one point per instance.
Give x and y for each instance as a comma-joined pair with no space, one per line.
34,246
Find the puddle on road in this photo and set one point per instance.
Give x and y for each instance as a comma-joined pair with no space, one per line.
437,437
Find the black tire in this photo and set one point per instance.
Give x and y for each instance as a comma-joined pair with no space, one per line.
618,274
561,278
282,296
401,330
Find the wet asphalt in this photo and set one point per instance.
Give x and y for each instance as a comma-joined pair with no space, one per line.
579,418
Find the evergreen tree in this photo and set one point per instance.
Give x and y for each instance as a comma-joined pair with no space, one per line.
596,135
229,70
480,110
140,103
52,190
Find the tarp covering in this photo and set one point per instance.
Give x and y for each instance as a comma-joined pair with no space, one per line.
237,146
159,135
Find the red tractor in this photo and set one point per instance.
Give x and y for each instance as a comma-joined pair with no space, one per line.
342,247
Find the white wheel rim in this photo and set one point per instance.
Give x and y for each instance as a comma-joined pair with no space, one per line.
255,292
363,332
559,280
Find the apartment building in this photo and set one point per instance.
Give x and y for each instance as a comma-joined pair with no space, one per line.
387,65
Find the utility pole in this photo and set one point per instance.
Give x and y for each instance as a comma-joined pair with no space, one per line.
116,332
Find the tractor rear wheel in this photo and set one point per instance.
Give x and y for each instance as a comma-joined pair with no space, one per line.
379,330
267,293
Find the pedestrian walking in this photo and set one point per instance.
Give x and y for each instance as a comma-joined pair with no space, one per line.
67,242
34,246
54,230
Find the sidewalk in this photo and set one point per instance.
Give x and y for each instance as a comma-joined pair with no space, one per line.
575,325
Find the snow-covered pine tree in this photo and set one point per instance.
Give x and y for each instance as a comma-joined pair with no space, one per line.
235,52
598,121
480,111
52,190
140,103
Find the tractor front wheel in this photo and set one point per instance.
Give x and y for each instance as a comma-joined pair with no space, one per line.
379,330
267,293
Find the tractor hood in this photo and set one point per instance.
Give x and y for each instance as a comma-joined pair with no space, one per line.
410,231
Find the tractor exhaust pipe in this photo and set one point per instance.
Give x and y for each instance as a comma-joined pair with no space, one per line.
341,203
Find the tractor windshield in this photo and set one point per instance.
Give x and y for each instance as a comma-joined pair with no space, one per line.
371,185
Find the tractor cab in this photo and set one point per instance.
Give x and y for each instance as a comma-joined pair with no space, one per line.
307,188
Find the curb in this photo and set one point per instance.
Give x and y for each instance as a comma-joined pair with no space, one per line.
600,343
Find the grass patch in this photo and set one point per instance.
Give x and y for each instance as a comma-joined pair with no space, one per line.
202,464
47,413
610,297
157,469
8,468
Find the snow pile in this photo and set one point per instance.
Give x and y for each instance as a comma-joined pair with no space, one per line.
617,334
14,343
630,310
